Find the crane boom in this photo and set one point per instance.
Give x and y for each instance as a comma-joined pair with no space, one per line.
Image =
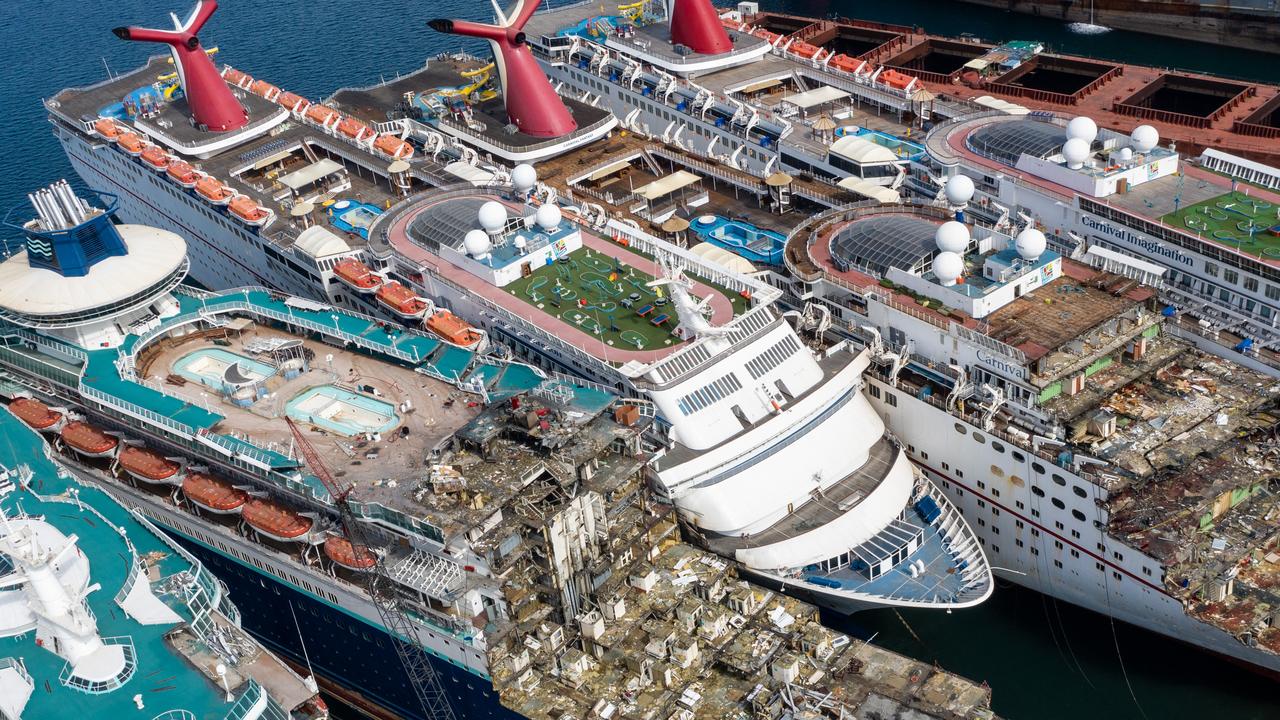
381,588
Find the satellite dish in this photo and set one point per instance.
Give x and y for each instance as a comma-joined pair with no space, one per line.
493,216
548,216
959,189
524,177
948,267
1144,138
521,242
1125,154
476,243
952,237
1030,243
1082,128
1075,151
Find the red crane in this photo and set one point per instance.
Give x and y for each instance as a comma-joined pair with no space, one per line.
382,591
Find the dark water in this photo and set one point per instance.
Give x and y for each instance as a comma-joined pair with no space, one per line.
1044,660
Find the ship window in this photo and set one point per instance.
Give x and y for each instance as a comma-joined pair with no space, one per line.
1035,551
1079,491
1057,544
1146,570
1019,456
1016,481
1058,524
1058,479
979,439
1057,564
982,485
997,471
995,492
1058,504
1018,542
1077,515
997,446
995,548
891,399
1099,566
1035,532
960,428
1018,524
1075,534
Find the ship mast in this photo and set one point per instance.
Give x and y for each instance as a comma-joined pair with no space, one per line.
381,589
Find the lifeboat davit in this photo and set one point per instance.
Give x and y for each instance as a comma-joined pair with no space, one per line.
236,77
289,101
354,129
182,173
454,329
275,521
264,89
321,115
249,211
211,188
88,440
213,494
148,465
131,143
401,300
357,276
343,552
155,158
393,147
36,414
108,129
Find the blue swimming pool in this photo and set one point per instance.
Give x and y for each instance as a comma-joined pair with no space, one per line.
902,147
353,216
221,369
342,411
741,238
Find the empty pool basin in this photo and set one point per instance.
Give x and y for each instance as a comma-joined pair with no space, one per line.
342,411
221,369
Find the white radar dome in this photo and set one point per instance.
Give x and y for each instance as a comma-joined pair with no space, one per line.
1144,138
959,190
548,216
1075,151
493,216
1125,154
1030,243
952,237
476,243
524,177
521,242
948,267
1083,128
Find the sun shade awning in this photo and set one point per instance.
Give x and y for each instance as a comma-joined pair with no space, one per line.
608,170
879,193
667,185
299,179
815,97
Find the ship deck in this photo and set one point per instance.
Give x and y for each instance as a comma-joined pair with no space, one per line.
438,409
724,304
172,673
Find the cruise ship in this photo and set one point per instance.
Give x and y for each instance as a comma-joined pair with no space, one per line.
496,256
505,509
103,615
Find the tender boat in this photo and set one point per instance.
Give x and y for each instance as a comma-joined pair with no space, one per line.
155,158
393,147
275,521
108,129
88,440
131,143
211,188
357,276
341,551
182,173
291,102
36,414
236,77
213,493
454,329
354,129
264,89
244,208
147,465
321,115
401,300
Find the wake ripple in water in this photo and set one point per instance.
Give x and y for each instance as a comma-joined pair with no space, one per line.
1082,28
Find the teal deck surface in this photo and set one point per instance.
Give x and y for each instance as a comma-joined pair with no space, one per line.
163,678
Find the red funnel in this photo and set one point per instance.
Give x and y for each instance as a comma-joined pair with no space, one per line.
532,104
696,24
213,107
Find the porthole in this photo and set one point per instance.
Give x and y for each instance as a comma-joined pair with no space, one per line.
1016,481
1058,504
1079,491
1037,491
997,471
960,428
978,438
1077,515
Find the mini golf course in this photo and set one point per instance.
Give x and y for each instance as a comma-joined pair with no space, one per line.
1234,219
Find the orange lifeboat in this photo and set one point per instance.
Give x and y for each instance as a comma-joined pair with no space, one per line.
290,101
155,158
453,328
343,552
401,300
895,79
236,77
35,414
769,37
88,440
393,147
264,89
275,521
182,173
131,143
321,115
357,276
211,188
353,128
147,465
213,494
803,49
844,63
108,129
249,211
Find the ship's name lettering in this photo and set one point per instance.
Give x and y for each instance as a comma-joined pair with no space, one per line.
1128,236
1004,366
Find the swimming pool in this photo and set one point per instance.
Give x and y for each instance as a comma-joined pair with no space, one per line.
342,411
741,237
221,369
903,148
353,216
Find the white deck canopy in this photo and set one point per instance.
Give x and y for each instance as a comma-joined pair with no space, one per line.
815,97
299,179
319,242
1002,105
862,151
665,186
472,174
879,193
607,170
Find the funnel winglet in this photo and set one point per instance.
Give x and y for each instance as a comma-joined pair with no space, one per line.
532,104
212,105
